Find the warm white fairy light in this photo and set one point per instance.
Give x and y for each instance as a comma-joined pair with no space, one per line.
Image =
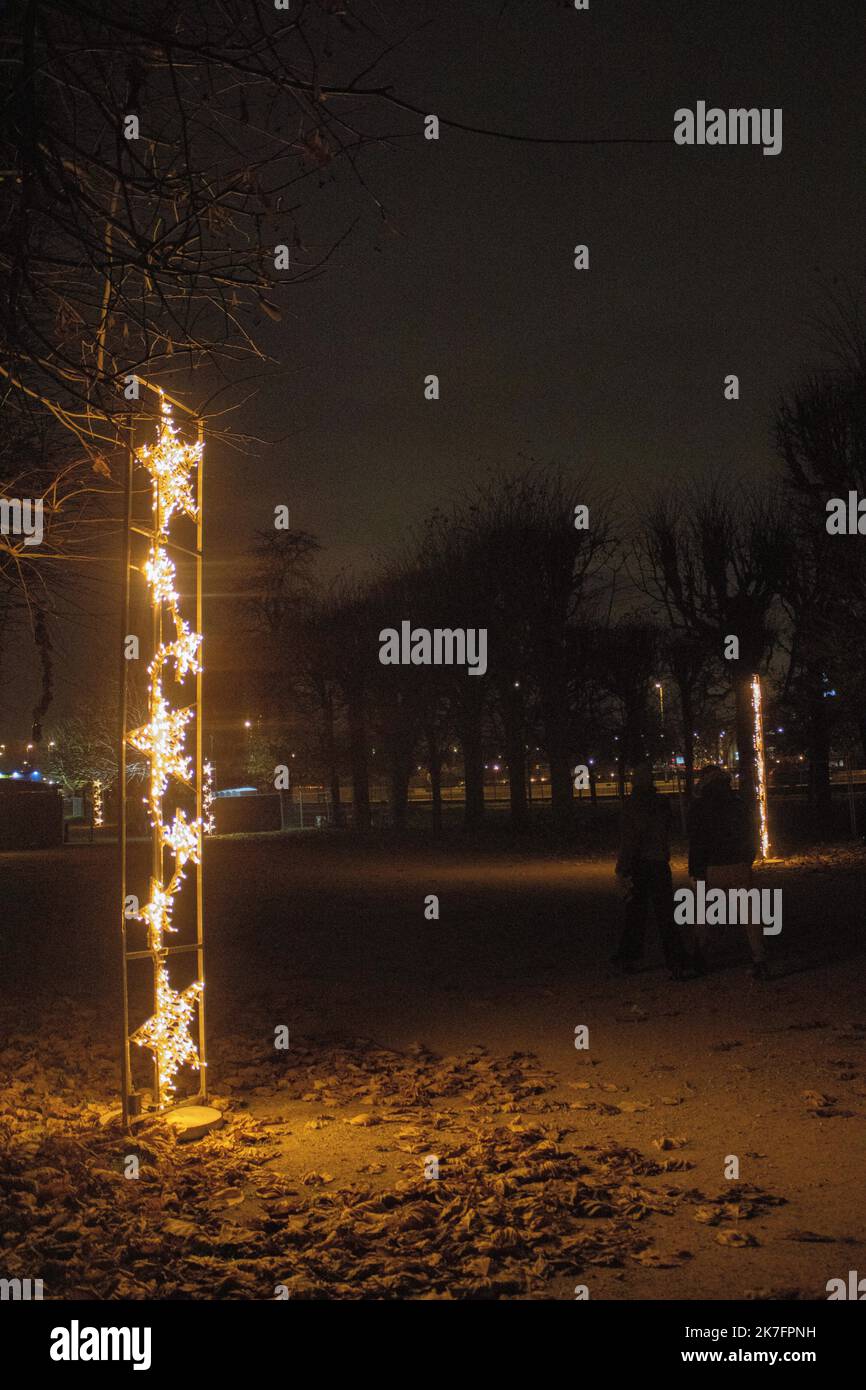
207,800
159,573
97,803
163,742
184,840
167,1031
760,766
184,651
171,464
157,913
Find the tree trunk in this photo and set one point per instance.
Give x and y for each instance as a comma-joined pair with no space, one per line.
744,722
473,768
515,757
434,767
820,793
688,713
620,768
360,765
400,772
330,752
561,787
559,762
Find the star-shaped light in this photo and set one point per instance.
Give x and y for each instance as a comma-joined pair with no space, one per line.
167,1033
207,800
162,740
183,838
157,914
170,463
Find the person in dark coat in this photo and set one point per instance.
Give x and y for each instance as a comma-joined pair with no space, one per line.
722,848
644,863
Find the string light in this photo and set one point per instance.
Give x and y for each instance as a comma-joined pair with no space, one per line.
171,464
167,1032
97,803
207,800
760,766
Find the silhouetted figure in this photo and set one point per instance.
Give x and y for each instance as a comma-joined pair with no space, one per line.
644,860
722,848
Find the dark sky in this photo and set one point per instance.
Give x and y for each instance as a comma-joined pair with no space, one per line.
703,262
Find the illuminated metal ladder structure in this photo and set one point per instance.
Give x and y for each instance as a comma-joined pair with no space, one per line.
174,467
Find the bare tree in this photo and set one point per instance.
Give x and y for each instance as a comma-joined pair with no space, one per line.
513,560
628,655
821,439
690,663
715,557
158,158
157,161
50,507
290,606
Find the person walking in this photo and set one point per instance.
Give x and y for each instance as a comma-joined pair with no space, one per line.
644,863
722,849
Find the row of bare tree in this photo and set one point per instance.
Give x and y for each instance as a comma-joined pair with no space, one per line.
584,622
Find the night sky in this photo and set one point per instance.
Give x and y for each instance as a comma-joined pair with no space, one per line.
702,262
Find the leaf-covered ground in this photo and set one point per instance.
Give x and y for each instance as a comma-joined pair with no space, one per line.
513,1200
417,1050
